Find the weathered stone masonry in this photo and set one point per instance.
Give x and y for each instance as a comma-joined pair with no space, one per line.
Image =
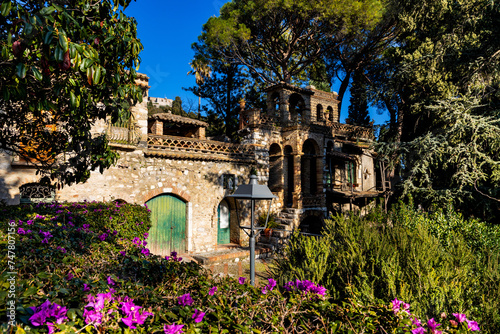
314,164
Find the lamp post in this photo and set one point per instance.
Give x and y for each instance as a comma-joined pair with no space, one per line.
253,192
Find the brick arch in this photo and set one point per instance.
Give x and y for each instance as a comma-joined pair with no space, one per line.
175,191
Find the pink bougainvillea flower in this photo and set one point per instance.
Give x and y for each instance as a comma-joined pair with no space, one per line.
320,290
272,284
86,287
396,305
48,310
460,317
472,325
185,300
134,317
110,281
432,324
128,306
212,291
415,321
173,329
92,316
418,330
197,316
145,251
241,280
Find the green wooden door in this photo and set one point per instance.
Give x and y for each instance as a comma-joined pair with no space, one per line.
223,224
168,230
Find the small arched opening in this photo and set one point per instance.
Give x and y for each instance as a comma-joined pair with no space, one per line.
275,182
319,113
309,168
311,225
275,104
297,106
288,167
330,113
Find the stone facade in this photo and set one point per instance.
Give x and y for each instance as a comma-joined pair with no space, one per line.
311,162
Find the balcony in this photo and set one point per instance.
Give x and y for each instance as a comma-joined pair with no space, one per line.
198,149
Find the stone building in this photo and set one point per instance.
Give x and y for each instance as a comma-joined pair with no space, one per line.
311,162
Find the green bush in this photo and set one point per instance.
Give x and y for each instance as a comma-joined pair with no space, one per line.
406,255
75,274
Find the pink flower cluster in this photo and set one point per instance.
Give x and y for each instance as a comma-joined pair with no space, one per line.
47,314
270,286
305,286
100,308
401,308
173,257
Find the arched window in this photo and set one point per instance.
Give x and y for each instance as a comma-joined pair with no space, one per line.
330,114
297,106
319,113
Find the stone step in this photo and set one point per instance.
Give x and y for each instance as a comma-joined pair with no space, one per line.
285,221
281,233
286,215
231,255
290,210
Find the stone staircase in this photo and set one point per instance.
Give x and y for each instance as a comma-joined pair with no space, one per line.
287,220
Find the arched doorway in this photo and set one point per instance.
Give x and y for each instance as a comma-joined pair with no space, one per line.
309,168
275,182
223,223
289,176
168,224
311,225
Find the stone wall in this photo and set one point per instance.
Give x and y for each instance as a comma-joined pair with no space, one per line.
138,178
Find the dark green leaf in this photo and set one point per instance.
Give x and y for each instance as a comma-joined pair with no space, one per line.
5,7
21,70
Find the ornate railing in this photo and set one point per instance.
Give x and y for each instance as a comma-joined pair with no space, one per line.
268,120
36,193
191,148
123,133
351,130
312,201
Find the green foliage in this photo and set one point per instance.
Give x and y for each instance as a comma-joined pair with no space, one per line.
63,66
439,79
434,261
358,107
302,32
271,221
64,260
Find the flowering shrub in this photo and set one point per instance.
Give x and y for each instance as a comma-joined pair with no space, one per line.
111,284
460,323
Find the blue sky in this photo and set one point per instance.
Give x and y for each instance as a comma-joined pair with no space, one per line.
167,29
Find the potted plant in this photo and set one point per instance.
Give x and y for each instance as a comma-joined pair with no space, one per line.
271,223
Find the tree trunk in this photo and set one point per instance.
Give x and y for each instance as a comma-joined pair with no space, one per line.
343,87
